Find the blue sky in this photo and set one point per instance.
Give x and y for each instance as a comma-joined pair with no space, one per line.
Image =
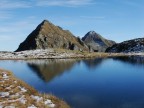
117,20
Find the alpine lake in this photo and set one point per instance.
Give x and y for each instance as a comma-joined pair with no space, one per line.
116,82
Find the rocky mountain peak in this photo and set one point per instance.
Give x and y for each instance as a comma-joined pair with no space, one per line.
92,36
96,41
91,33
47,35
43,23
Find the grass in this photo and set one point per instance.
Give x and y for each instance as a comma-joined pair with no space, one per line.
13,86
85,54
58,53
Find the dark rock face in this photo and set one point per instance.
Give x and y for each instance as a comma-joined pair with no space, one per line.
96,42
47,35
135,45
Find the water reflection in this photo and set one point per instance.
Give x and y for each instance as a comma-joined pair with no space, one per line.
49,69
134,60
93,63
90,83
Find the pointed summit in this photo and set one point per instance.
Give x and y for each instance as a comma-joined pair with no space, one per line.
91,32
45,23
47,35
91,36
96,41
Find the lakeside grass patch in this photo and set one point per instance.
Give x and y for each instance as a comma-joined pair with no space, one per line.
16,93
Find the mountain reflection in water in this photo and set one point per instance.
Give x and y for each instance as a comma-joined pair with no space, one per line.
93,63
133,60
49,69
89,83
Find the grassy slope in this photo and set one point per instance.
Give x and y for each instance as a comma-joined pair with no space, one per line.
12,86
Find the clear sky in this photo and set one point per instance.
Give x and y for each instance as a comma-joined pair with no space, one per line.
117,20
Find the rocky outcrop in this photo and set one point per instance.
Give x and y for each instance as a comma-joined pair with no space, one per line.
47,35
96,42
135,45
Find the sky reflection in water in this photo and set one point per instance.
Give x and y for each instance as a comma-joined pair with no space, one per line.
91,83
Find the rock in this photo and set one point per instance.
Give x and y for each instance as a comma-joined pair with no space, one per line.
96,42
47,35
134,45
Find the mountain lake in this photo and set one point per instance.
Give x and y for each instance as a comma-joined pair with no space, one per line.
89,83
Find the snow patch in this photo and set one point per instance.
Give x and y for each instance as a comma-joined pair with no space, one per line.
15,100
37,98
49,103
32,106
15,81
5,75
22,89
4,94
15,95
22,100
9,88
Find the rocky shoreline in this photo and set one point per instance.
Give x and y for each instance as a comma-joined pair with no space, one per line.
57,54
14,93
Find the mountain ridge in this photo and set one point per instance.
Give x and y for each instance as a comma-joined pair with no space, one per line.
97,42
47,35
133,45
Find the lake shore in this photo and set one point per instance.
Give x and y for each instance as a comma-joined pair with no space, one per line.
57,54
15,93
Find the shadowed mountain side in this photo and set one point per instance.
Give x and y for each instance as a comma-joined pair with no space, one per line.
134,45
47,35
47,70
134,60
96,42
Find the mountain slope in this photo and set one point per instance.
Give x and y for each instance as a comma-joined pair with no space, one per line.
47,35
134,45
96,42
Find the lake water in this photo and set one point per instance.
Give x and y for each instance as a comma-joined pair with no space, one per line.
91,83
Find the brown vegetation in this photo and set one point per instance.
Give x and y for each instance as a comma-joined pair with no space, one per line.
16,93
